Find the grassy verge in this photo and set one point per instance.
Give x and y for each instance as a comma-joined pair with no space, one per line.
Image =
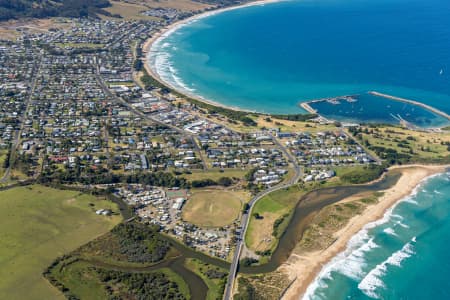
3,154
270,208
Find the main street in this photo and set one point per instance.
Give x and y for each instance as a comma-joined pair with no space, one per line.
145,116
16,142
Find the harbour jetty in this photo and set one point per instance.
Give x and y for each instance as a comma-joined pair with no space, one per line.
413,102
332,100
308,108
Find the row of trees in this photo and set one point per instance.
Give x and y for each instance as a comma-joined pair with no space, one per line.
223,181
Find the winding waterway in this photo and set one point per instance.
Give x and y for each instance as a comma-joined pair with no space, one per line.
307,205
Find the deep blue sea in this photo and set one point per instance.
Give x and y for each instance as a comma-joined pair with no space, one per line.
406,255
270,57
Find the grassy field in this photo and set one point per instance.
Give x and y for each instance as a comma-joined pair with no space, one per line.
273,123
214,208
8,29
292,126
131,10
270,208
128,11
422,146
182,5
215,285
38,224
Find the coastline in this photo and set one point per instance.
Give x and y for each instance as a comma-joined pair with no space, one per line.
164,32
305,268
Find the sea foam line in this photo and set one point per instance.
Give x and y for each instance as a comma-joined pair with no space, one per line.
160,67
355,247
372,281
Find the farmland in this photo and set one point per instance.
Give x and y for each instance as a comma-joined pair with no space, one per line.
38,224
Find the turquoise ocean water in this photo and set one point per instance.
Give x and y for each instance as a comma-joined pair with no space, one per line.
268,58
405,255
369,108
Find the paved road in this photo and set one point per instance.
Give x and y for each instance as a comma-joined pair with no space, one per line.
245,219
350,136
145,116
16,142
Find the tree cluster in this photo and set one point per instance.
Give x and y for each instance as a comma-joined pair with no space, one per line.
140,243
154,285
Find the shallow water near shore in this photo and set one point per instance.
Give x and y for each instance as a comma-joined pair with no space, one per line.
403,256
268,58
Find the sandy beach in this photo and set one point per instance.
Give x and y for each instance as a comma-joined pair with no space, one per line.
306,267
146,48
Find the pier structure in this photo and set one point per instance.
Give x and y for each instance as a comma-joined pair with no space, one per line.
413,102
308,108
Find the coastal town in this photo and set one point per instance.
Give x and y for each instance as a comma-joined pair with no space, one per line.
209,192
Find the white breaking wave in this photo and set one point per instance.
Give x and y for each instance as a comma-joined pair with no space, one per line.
410,200
163,66
390,231
402,225
350,262
372,281
396,216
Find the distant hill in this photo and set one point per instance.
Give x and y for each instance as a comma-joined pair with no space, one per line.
15,9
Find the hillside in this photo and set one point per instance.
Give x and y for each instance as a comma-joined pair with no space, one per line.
14,9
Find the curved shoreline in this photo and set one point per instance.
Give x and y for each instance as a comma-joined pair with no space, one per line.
308,266
166,31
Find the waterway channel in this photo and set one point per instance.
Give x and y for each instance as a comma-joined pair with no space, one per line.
307,205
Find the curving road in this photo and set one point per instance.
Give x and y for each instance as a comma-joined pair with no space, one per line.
245,219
